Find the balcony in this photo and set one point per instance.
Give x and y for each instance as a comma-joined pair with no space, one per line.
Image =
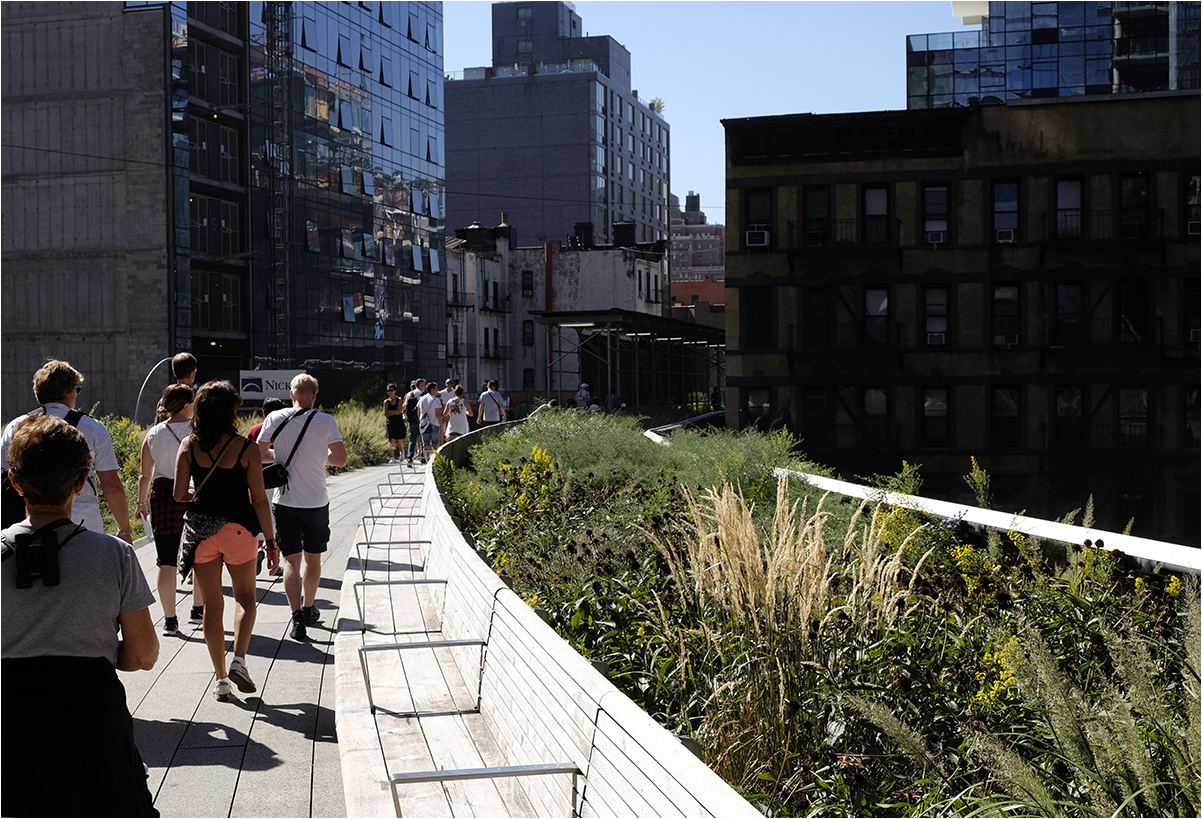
1075,332
498,353
459,299
497,305
1074,224
457,349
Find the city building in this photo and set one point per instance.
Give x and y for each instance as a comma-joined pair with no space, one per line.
698,256
1017,282
260,184
1036,50
553,133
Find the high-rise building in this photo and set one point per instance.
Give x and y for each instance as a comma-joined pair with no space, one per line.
1016,282
698,255
1033,50
260,184
553,134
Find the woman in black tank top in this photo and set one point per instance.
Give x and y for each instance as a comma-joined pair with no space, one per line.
394,423
226,512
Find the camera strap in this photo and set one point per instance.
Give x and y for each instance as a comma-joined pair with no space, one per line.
37,553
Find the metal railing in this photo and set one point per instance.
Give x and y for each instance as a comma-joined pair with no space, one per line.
1077,224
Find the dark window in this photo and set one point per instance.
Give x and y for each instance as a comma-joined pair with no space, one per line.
200,300
816,417
312,237
757,318
528,333
935,212
386,71
527,282
231,303
1005,315
231,229
935,427
876,416
1006,424
1069,315
936,316
230,166
1133,206
876,315
528,379
816,216
344,50
816,317
876,215
1193,208
758,208
759,407
198,146
1005,211
1133,417
1069,428
1134,311
1068,209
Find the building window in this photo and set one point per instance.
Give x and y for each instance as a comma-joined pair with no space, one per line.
1068,209
1005,211
936,316
528,379
1193,208
228,69
1133,206
1133,418
759,408
876,315
876,416
1005,315
525,46
231,229
198,146
935,212
312,236
1006,418
1069,317
524,12
935,428
528,333
876,215
231,303
757,318
816,417
816,317
1069,428
527,282
816,216
386,71
344,50
200,300
230,168
1134,311
757,209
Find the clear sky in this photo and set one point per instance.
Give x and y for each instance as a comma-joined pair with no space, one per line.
712,60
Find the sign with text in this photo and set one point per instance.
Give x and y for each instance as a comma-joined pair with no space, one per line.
255,385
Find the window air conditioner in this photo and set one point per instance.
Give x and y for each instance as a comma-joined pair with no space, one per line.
936,339
757,238
527,291
1004,236
1010,339
936,237
1195,336
1194,228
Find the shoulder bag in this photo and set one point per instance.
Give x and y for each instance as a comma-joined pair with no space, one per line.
276,475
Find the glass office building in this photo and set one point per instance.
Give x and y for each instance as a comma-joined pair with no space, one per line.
307,188
1031,50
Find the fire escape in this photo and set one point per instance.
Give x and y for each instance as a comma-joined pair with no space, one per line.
278,18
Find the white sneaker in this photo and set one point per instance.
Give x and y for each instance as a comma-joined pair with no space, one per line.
223,691
240,677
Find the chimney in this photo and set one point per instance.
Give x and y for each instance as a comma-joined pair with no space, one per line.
624,234
584,235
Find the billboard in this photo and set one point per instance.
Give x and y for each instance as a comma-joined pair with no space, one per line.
255,385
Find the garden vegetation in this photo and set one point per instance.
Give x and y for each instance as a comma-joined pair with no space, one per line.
838,658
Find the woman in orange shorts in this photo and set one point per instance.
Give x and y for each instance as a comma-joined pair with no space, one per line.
222,524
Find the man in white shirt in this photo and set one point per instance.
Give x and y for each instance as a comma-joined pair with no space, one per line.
492,407
445,396
57,386
429,408
302,506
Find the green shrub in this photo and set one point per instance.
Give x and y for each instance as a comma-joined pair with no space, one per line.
363,435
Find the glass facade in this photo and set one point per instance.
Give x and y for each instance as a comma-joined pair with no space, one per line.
1027,50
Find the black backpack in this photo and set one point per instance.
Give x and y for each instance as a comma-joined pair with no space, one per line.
12,505
411,403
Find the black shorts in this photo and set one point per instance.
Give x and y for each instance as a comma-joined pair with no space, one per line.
395,427
298,529
167,549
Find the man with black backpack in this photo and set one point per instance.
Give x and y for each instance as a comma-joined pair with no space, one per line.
57,386
413,419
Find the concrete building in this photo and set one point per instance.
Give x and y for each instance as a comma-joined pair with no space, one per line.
698,261
260,184
553,133
1017,282
1039,50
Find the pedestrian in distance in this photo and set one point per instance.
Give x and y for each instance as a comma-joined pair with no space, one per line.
413,417
157,505
584,398
225,515
57,387
270,405
75,609
430,410
394,424
455,414
445,395
492,406
302,505
183,368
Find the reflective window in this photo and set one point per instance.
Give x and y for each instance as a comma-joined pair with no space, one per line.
1005,315
1067,328
1133,417
1005,211
935,428
876,315
934,211
1069,422
935,316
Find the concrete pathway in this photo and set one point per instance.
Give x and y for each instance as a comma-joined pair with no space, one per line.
270,753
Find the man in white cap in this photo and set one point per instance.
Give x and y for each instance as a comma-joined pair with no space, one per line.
583,397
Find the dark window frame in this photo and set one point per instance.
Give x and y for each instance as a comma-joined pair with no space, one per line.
936,426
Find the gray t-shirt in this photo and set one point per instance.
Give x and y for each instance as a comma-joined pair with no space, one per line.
99,580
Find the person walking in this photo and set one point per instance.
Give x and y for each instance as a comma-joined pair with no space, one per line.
68,737
307,440
221,525
413,417
183,367
455,414
445,395
429,407
156,497
270,405
584,398
394,424
57,386
492,406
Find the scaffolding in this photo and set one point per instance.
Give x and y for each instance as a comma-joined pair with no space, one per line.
278,19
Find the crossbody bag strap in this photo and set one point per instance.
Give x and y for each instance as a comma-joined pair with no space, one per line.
304,429
213,468
280,428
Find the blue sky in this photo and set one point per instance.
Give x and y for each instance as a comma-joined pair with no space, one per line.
722,60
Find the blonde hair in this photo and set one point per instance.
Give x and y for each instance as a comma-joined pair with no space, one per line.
304,383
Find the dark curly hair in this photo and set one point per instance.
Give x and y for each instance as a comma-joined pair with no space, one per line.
215,413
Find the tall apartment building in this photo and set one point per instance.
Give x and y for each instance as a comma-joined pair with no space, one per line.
698,254
1017,282
266,191
1037,50
553,134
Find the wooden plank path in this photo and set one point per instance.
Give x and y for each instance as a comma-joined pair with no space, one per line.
273,752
